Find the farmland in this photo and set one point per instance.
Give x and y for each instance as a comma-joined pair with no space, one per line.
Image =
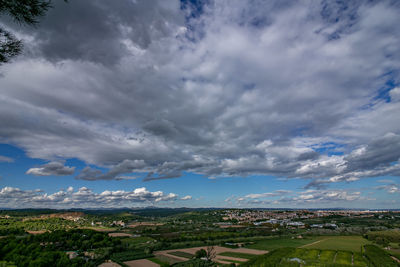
176,238
270,244
308,257
350,243
238,255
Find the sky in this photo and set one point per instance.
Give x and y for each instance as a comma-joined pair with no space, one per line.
206,103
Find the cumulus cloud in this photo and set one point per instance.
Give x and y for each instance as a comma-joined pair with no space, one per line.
83,197
186,197
289,89
51,168
391,187
6,159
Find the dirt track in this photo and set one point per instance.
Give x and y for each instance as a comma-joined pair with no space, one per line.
316,242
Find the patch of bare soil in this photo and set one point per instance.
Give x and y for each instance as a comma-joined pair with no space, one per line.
166,254
133,225
219,257
119,234
218,250
109,264
396,259
37,232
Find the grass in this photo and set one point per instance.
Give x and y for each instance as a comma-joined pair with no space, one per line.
238,255
167,259
158,261
229,260
349,243
271,244
327,256
195,262
129,255
182,254
343,257
285,257
311,254
273,258
136,240
100,228
6,264
358,260
379,257
298,253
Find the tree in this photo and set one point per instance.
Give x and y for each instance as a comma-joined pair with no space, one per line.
211,253
201,253
9,46
23,12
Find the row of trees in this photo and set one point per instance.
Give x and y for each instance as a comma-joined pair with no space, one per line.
379,257
49,249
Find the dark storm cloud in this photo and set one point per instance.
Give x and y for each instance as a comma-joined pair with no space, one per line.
382,151
288,89
380,157
126,166
101,31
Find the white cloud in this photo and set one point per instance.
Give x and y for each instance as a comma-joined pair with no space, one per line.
391,188
84,197
6,159
186,197
269,194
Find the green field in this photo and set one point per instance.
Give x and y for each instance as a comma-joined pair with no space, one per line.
233,261
349,243
167,259
271,244
238,255
311,254
136,240
308,258
327,255
343,257
158,261
358,260
181,254
379,257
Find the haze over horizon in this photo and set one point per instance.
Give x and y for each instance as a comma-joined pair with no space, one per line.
202,103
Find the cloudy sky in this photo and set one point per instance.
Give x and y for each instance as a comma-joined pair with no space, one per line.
224,103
